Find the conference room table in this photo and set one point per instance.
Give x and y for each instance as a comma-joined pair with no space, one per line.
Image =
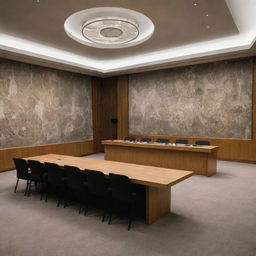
157,181
199,159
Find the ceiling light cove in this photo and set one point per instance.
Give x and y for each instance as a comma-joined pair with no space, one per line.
109,27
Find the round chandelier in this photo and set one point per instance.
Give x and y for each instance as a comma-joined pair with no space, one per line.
109,27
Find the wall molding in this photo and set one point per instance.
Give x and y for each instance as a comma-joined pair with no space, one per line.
77,148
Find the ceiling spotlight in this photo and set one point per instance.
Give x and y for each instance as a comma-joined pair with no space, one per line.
207,26
207,15
195,4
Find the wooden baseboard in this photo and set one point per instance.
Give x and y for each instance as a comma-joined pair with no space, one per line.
77,148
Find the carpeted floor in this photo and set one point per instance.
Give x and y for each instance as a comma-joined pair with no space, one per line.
213,216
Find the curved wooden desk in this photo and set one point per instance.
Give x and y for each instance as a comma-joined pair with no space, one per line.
199,159
156,180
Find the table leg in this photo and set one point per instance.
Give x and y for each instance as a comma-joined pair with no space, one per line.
158,203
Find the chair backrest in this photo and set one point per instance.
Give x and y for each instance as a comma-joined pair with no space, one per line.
162,140
121,187
21,167
180,141
129,139
97,183
203,142
75,178
54,174
145,139
37,170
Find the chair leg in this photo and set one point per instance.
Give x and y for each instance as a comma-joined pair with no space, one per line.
130,217
130,223
46,192
66,198
58,204
15,189
85,209
27,188
110,213
41,197
80,208
105,210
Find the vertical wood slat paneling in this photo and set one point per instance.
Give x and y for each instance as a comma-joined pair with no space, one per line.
78,148
104,108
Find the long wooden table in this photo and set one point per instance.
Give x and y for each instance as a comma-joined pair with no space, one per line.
157,181
199,159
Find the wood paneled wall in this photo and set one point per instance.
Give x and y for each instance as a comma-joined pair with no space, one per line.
122,107
79,148
104,108
110,99
230,149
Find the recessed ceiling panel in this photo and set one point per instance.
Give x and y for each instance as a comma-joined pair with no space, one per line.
177,23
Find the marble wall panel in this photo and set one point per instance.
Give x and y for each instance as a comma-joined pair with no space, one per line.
41,106
211,100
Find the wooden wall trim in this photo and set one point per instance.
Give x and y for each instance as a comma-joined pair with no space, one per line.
104,110
78,148
122,107
96,113
254,101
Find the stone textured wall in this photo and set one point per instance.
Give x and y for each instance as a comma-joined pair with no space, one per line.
211,100
41,106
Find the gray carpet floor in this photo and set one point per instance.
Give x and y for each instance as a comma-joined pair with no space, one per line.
210,217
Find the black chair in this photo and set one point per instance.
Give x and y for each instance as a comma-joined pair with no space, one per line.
38,175
180,141
22,172
145,140
203,142
75,183
162,140
129,139
122,192
97,186
55,179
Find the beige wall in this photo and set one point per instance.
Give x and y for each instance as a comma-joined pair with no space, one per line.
208,100
42,106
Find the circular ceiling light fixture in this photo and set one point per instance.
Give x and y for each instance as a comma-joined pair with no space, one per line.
109,27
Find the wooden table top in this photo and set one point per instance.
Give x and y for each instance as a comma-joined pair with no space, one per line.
140,174
155,145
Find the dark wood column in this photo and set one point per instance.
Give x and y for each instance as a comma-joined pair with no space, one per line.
104,107
122,107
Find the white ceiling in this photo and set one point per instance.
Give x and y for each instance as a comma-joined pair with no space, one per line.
184,30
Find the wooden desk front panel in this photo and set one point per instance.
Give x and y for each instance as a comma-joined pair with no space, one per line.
199,162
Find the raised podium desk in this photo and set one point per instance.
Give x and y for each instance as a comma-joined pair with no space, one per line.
199,159
157,181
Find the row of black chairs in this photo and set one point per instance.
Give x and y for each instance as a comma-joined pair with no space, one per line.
164,140
89,185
